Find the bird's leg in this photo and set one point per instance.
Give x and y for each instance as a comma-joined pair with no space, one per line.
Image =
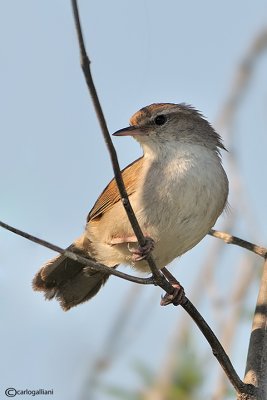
178,295
140,252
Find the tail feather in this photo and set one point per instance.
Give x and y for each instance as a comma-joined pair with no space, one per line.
70,282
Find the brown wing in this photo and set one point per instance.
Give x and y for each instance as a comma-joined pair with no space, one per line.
111,195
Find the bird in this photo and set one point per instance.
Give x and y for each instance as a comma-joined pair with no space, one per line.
178,188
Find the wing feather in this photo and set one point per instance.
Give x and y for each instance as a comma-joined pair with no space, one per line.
111,195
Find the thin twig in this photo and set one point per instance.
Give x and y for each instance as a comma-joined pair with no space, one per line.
218,351
85,64
228,328
230,239
256,369
77,257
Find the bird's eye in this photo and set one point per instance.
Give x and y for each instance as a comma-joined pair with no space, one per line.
160,120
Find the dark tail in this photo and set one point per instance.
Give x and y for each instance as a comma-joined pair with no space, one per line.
70,282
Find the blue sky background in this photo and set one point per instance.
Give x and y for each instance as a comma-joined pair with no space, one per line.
54,164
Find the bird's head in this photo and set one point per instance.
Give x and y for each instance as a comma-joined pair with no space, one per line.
165,124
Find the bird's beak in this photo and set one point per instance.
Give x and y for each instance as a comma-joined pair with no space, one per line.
129,131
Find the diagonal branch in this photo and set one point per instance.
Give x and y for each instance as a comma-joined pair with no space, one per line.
256,369
85,64
230,239
77,257
219,353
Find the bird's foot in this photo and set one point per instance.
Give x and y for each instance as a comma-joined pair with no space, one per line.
178,294
175,298
141,252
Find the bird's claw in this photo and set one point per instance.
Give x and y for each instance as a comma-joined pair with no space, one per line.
176,298
141,252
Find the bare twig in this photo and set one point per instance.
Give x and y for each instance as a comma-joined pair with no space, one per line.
218,351
77,257
229,239
247,270
256,369
85,64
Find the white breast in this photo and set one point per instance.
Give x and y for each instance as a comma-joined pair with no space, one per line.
183,196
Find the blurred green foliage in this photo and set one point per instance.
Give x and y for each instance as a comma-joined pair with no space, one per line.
184,381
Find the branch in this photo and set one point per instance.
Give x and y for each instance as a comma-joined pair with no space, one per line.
228,328
85,64
218,351
229,239
77,257
256,369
